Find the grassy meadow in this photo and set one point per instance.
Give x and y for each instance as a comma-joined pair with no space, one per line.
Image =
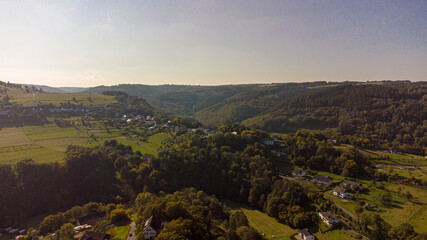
263,223
48,143
398,211
119,232
20,96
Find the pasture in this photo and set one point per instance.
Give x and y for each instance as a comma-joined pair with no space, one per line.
393,158
30,99
335,234
119,232
48,143
264,223
414,212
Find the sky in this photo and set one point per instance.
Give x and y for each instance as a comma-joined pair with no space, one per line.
211,42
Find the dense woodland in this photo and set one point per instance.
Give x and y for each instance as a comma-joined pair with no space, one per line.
237,167
192,215
389,116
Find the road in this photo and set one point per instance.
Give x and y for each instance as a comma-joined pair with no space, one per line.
131,235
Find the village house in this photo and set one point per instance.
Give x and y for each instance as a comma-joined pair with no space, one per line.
340,192
351,185
268,142
329,219
305,234
153,227
322,180
82,227
298,173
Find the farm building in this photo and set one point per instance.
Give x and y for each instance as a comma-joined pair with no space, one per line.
329,219
323,180
305,234
340,192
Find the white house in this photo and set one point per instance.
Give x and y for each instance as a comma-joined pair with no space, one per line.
329,219
268,142
305,234
298,172
340,192
153,227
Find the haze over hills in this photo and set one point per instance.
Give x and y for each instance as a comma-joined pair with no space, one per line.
56,89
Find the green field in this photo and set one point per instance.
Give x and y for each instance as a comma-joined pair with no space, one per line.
335,234
414,212
263,223
119,232
19,96
48,143
394,158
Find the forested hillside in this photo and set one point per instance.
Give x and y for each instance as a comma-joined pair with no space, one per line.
215,105
138,90
388,115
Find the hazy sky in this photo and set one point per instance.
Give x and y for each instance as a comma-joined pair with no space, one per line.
210,42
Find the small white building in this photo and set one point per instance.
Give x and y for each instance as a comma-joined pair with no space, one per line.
268,142
329,219
153,227
340,192
305,234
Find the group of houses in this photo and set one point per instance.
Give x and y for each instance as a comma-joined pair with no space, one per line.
277,144
342,191
13,231
129,118
65,110
328,219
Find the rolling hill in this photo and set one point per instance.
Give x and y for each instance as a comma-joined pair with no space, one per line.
388,115
138,90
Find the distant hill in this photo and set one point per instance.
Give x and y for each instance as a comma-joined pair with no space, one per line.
56,89
215,105
72,89
390,115
138,90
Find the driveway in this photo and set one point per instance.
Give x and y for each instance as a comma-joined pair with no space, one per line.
131,235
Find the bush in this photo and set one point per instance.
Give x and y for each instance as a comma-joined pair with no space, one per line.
119,215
